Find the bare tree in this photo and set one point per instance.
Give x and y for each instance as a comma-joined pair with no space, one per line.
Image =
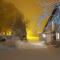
11,18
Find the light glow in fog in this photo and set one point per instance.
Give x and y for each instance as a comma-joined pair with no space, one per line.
44,35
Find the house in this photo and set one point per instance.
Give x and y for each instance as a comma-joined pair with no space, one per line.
51,32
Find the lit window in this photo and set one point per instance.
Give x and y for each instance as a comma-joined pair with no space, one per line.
57,35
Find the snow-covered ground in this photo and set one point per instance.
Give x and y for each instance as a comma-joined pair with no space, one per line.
27,45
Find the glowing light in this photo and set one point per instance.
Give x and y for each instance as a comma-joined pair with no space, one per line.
57,35
31,37
44,35
8,33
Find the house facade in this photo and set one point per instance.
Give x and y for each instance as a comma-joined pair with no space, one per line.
51,31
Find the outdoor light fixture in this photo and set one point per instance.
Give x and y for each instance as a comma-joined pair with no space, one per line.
44,35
